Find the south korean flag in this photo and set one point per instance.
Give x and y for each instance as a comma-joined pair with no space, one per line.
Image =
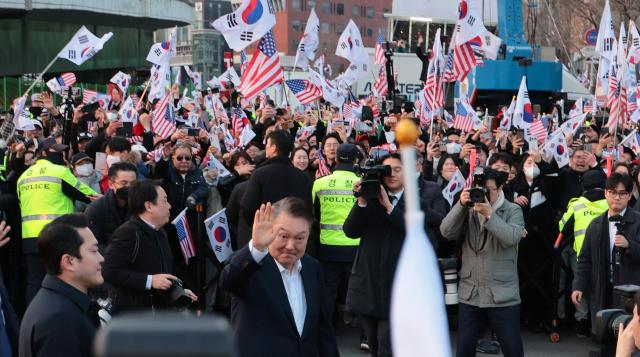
252,20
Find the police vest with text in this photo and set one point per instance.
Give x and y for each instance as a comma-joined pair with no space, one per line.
583,212
41,196
335,195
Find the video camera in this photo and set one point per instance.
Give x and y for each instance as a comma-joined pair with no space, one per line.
178,296
372,174
608,320
478,193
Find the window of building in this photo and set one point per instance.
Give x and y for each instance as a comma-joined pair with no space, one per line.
324,27
296,4
369,32
325,7
340,9
311,3
370,11
339,28
296,25
356,10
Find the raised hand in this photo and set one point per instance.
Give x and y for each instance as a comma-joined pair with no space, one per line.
262,234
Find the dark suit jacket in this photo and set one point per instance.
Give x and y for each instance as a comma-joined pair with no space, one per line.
262,322
592,274
11,322
126,268
436,207
57,322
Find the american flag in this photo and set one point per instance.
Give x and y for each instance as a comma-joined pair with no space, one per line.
323,168
184,236
537,130
264,70
67,79
262,99
469,181
379,55
614,87
433,88
162,120
381,86
587,107
304,90
463,61
243,62
88,95
463,120
240,120
632,101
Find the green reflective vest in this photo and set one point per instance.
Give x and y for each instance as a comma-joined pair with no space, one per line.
41,197
583,212
335,195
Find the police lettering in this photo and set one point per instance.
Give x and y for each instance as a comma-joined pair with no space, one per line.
35,186
338,199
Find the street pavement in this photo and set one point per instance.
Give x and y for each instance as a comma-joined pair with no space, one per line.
535,345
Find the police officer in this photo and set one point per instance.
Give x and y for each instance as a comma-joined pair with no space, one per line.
580,212
46,191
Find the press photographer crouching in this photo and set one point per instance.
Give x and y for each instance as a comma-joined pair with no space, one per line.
138,263
488,233
628,333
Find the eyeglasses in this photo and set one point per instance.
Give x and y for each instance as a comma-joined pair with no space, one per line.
183,158
618,194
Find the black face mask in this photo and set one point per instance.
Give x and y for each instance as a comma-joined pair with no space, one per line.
36,111
122,193
56,157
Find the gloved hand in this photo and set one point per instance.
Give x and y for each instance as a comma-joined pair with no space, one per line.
191,202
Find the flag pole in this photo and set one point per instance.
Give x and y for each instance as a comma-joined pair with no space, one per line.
143,93
40,76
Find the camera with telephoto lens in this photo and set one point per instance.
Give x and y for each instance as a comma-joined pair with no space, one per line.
478,192
372,175
608,320
178,296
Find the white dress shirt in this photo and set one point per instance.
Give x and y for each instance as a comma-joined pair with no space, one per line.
397,196
612,238
149,284
292,281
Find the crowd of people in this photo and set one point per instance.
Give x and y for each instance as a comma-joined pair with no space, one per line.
315,209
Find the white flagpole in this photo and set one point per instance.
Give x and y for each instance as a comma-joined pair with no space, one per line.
39,78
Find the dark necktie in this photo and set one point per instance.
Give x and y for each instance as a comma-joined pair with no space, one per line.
392,199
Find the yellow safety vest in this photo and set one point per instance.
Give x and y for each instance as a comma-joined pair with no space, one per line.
41,197
335,195
583,212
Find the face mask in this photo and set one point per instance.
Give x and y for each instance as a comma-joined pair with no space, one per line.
85,170
56,157
453,148
112,159
122,193
531,172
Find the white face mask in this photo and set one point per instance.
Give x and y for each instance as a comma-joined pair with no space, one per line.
84,170
453,148
112,159
531,172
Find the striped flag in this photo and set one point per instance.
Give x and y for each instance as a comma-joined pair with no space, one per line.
463,119
588,106
239,121
632,101
184,236
379,54
88,95
263,99
162,120
537,130
381,86
264,70
305,91
433,85
67,79
323,168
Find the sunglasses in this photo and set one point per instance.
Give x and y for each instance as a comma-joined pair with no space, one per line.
183,158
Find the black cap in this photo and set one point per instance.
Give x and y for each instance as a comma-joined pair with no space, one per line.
75,159
52,144
593,179
85,136
347,153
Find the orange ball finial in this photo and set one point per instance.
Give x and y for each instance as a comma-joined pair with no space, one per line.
406,132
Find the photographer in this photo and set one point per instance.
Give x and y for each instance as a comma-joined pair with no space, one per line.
629,337
139,264
380,225
488,233
610,253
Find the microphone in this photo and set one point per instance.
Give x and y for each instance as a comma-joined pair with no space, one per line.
619,231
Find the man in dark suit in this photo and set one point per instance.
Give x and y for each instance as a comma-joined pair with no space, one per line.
436,206
276,178
60,320
138,263
9,324
380,225
279,304
609,256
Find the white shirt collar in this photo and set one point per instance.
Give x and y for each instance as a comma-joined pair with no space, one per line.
148,224
298,266
621,213
397,195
